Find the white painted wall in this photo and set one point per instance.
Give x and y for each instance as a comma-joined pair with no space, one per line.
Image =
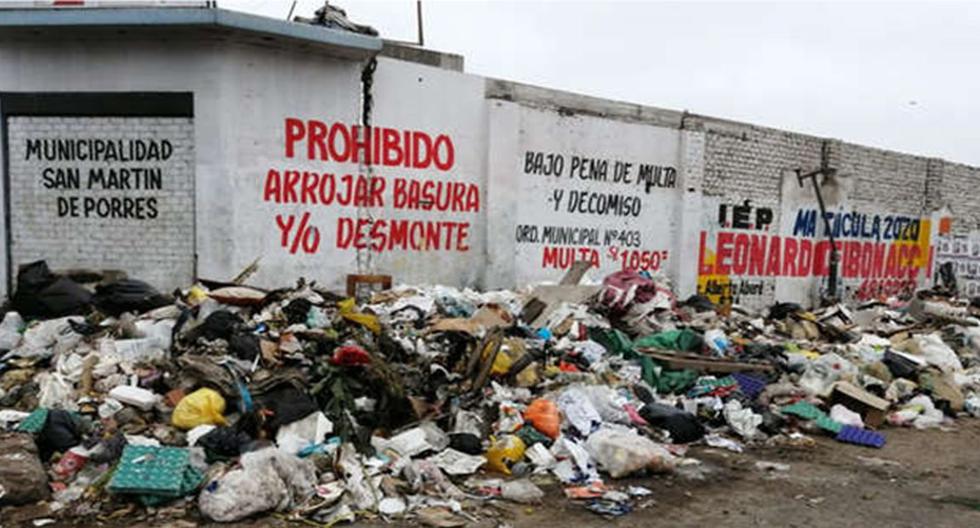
263,88
244,95
410,96
562,174
241,95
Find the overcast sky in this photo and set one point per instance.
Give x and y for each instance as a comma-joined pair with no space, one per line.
903,76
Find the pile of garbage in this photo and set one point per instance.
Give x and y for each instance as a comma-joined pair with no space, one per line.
431,403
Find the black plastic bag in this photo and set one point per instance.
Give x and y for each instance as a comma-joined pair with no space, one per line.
62,431
683,427
287,403
128,295
65,297
223,443
782,310
297,310
219,325
699,303
41,293
899,366
466,443
244,346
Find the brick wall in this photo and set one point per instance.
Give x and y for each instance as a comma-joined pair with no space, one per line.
146,230
883,180
957,189
748,162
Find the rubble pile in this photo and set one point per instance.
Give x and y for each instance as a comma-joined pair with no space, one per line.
431,404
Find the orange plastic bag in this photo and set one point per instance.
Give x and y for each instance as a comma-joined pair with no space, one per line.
543,415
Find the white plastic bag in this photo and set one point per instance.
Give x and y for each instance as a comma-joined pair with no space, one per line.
522,490
140,350
745,422
268,479
621,452
823,372
159,332
299,474
936,352
920,412
607,402
240,493
10,330
842,414
717,341
577,409
55,392
310,431
47,338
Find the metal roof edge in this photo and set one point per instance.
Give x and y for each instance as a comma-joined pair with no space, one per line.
142,17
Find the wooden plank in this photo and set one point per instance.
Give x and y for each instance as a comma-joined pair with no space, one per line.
677,361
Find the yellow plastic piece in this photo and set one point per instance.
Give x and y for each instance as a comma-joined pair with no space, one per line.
505,452
368,321
196,295
201,407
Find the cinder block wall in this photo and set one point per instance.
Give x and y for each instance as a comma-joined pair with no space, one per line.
882,180
746,162
155,243
957,189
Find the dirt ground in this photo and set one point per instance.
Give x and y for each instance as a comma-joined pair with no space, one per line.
920,478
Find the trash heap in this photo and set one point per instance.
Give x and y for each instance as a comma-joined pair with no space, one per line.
431,404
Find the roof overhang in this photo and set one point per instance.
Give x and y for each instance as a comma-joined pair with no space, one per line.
344,44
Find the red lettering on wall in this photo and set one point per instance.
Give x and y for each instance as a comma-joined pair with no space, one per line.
383,146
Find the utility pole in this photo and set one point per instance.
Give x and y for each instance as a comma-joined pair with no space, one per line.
418,16
827,172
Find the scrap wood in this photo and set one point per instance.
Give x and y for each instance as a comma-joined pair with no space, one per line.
679,361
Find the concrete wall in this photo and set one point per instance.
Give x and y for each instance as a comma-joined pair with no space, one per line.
237,126
578,187
487,202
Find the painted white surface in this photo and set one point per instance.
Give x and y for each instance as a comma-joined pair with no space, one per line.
581,174
128,210
241,95
244,94
410,96
263,88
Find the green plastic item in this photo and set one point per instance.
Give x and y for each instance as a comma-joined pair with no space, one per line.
616,342
665,381
829,425
675,381
682,340
149,470
714,383
809,411
530,436
34,422
805,410
192,479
